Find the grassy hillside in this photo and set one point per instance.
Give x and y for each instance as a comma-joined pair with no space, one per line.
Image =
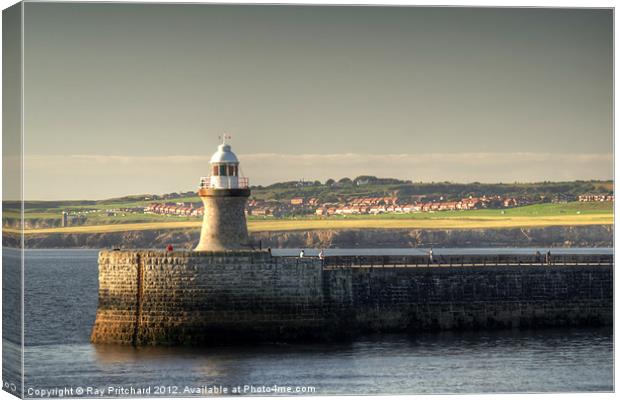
450,190
529,216
100,213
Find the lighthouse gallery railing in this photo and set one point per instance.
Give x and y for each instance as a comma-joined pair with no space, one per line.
243,183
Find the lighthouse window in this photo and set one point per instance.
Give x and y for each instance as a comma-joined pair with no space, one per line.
214,172
222,170
235,172
231,170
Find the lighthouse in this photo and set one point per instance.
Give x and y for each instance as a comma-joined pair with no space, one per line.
224,194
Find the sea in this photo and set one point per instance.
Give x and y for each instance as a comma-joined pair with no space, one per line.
60,302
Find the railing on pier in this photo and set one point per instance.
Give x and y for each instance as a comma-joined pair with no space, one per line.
331,262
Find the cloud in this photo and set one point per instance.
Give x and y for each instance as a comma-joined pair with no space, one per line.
102,176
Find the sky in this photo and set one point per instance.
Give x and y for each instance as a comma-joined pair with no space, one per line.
131,98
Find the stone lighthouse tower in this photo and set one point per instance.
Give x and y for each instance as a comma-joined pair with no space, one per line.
224,194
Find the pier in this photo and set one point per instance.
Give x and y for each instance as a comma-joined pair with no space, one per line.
149,297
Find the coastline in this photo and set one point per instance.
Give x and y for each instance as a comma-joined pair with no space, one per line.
548,236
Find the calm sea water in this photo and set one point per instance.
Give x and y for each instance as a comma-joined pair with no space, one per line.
61,301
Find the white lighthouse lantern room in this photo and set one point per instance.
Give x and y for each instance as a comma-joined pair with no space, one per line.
224,170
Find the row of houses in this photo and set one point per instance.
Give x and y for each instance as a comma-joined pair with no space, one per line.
391,207
180,209
262,208
330,209
394,201
373,201
297,204
353,201
353,205
254,207
596,197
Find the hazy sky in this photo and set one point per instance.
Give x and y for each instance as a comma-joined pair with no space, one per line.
131,98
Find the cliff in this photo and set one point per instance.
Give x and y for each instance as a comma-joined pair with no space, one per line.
554,236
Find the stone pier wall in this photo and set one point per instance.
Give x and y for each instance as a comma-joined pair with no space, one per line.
443,298
152,297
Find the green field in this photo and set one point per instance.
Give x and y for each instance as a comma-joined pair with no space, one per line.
549,214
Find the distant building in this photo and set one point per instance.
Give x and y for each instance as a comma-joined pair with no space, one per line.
596,197
297,201
510,202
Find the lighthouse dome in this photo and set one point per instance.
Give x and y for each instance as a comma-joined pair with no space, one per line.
225,171
224,155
